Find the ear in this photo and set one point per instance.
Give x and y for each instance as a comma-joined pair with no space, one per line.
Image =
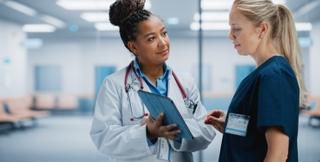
132,47
263,29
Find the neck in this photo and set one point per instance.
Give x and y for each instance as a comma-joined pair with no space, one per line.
264,53
153,72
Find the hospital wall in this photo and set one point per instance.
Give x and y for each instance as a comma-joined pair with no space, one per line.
79,58
13,60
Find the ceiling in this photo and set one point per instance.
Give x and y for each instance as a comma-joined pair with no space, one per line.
183,10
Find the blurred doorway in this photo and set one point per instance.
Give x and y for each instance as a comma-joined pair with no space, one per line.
100,73
241,72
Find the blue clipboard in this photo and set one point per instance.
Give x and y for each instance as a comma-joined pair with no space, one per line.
156,104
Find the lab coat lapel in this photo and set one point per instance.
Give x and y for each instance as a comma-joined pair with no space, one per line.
175,95
174,92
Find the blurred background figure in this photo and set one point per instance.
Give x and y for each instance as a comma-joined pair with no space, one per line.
54,55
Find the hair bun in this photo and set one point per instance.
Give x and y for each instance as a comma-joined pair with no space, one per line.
122,9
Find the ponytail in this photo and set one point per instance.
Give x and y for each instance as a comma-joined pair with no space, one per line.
286,36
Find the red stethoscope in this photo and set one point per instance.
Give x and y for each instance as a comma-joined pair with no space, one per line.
188,102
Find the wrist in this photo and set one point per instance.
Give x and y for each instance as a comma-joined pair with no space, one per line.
150,135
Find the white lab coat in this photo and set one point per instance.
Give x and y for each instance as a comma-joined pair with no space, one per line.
123,140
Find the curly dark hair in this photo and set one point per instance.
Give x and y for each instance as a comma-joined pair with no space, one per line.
127,14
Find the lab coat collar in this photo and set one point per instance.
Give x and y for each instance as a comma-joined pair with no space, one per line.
137,68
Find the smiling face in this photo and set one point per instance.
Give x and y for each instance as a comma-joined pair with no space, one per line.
243,33
152,43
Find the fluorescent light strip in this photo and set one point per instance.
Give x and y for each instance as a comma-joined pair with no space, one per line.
216,5
105,27
303,26
84,4
38,28
225,4
21,8
307,8
212,16
210,26
53,21
95,16
90,4
300,26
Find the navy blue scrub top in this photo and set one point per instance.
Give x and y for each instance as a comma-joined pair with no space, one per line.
270,96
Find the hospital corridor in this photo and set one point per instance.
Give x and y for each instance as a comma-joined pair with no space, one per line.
56,104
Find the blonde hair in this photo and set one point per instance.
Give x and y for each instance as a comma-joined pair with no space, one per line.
283,30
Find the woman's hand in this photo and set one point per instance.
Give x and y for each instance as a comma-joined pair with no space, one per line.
155,128
217,119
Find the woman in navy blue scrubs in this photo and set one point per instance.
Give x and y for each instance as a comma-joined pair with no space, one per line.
262,121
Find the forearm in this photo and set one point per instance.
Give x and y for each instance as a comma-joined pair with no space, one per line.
275,157
278,144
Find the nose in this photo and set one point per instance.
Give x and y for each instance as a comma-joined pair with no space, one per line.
163,41
231,35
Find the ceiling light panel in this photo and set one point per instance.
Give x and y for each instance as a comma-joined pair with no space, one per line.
225,4
216,5
307,8
38,28
90,4
95,16
105,27
212,16
303,26
210,26
53,21
21,8
85,4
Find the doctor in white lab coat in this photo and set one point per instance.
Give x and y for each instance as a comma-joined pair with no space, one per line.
121,128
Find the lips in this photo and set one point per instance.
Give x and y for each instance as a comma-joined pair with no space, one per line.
236,45
164,52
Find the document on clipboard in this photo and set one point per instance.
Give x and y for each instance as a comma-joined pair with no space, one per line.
156,104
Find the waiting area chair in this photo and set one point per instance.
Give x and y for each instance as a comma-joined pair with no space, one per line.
22,107
44,101
314,113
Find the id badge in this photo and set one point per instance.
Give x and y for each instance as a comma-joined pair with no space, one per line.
237,124
163,150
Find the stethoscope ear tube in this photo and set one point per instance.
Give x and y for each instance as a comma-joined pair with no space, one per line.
126,85
188,102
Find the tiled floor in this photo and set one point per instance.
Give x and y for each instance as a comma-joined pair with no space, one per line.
66,139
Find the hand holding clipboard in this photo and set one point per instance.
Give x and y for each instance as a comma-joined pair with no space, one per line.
157,104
